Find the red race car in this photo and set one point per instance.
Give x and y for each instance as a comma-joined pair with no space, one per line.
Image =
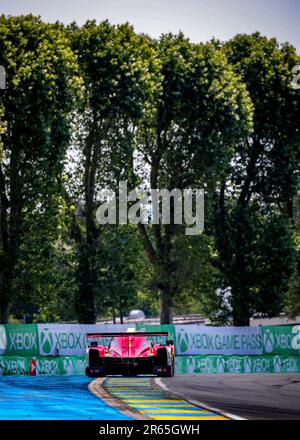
129,354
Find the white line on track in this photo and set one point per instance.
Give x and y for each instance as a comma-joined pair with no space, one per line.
197,403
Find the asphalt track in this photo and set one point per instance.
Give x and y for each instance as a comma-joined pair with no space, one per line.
188,397
250,396
52,398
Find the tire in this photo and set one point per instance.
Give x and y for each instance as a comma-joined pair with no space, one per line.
161,357
94,359
171,372
161,360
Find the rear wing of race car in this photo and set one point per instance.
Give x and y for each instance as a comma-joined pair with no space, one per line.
127,334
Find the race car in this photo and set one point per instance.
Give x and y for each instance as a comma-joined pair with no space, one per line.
129,354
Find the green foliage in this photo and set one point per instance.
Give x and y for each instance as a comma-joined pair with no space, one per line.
266,69
121,262
201,112
115,64
87,107
114,61
39,96
196,277
254,198
44,287
292,297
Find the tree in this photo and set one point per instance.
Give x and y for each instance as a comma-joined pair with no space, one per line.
114,64
161,114
41,80
201,111
254,197
44,283
292,299
121,263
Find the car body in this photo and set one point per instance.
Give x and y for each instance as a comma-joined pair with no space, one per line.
129,354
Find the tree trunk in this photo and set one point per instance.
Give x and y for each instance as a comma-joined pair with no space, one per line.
241,296
166,306
240,306
240,321
85,306
85,301
10,231
6,277
4,309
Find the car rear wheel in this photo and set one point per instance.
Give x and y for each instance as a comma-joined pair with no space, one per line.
172,370
162,369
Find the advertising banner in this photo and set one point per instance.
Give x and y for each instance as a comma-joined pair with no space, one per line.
201,364
281,339
197,339
49,366
236,364
14,366
3,341
70,339
19,340
65,365
189,339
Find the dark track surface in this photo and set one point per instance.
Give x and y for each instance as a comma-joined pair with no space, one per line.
251,396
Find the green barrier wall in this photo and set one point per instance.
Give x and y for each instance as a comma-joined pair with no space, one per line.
69,365
19,339
50,366
237,364
281,340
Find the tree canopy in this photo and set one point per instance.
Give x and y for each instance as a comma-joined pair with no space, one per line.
87,107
